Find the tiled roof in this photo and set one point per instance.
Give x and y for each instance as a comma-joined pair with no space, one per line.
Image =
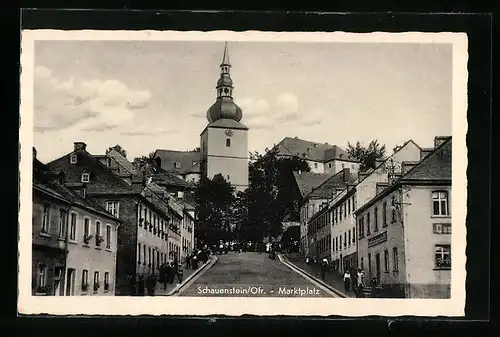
123,162
162,177
307,181
227,123
329,187
187,159
48,183
102,180
435,166
320,152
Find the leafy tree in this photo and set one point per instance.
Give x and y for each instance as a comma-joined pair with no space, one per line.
118,149
144,163
367,156
214,209
269,196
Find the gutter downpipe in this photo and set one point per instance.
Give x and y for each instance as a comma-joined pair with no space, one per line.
66,252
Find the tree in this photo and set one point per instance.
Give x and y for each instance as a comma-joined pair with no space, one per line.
290,236
118,149
214,207
269,196
367,156
144,163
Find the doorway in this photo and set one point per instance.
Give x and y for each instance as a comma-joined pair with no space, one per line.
58,285
377,266
70,283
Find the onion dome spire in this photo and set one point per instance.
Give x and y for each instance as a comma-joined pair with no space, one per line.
224,107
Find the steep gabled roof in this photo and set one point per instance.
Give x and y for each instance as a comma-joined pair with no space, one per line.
162,177
329,188
187,159
123,162
435,166
103,181
307,181
337,153
298,147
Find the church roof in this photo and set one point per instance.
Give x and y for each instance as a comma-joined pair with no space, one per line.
227,123
224,108
188,161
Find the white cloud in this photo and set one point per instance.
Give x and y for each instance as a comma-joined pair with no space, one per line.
287,104
90,105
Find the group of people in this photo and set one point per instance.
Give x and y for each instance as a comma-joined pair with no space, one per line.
197,257
354,279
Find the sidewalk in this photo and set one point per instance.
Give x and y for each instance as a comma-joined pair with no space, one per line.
188,272
333,279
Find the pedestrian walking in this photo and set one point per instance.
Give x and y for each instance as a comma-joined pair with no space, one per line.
140,285
163,275
324,268
172,273
361,275
347,280
180,272
151,284
354,280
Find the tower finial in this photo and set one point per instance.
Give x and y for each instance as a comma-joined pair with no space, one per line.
225,58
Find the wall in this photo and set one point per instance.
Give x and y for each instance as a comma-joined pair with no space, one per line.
342,229
394,279
425,279
367,188
127,242
230,161
311,208
316,166
336,165
48,249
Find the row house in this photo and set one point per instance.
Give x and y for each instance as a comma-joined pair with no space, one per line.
187,233
405,230
341,210
305,183
321,157
125,199
74,239
320,224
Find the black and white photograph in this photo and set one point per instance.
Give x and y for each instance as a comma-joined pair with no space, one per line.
291,171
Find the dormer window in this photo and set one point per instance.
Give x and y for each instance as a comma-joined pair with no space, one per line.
177,164
85,178
194,163
73,158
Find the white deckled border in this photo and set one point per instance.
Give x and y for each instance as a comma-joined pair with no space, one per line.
239,306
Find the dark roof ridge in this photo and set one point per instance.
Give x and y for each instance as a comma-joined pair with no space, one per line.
425,159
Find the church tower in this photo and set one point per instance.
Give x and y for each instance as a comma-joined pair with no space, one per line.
224,141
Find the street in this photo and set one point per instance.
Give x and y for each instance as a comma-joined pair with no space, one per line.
252,274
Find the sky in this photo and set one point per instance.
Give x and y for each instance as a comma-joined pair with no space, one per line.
148,95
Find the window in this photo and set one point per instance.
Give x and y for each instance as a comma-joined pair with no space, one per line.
340,212
98,233
440,203
97,285
386,260
86,229
85,178
441,228
353,204
42,277
353,234
72,227
228,177
345,211
393,214
113,208
384,214
349,206
177,164
375,219
367,223
361,229
62,223
106,281
315,165
443,256
144,255
85,280
46,218
349,237
362,263
345,239
395,259
138,253
108,236
149,256
73,158
329,165
337,243
228,142
340,241
370,264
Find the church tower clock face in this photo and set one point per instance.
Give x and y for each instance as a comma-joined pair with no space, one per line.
229,132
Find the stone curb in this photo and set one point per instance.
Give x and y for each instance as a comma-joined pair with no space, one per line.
329,287
174,291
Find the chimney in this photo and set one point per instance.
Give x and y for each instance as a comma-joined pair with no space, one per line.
34,153
79,146
438,140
